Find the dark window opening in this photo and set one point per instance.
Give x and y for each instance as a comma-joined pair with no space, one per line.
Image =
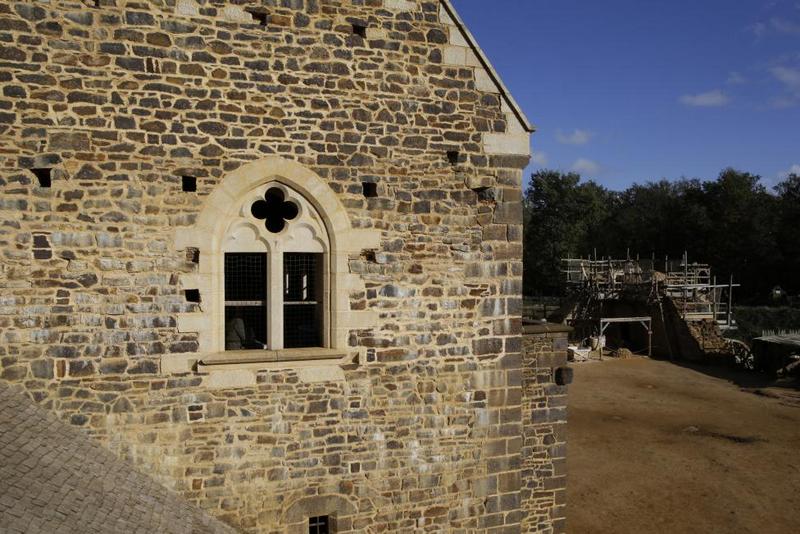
302,300
274,210
452,156
152,65
245,301
192,295
189,184
360,30
44,176
370,189
486,194
259,16
319,525
193,255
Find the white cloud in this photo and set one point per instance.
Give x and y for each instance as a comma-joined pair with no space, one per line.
585,166
794,169
788,76
736,78
782,102
785,26
578,137
758,29
539,158
715,98
773,26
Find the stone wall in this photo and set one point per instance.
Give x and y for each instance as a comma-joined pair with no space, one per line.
544,420
115,101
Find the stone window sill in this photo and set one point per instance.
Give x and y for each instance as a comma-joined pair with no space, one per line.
268,359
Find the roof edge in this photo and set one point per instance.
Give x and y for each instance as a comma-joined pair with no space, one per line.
515,107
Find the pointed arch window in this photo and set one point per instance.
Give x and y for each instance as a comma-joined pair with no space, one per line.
275,254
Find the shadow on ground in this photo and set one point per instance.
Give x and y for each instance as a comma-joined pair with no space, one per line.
658,447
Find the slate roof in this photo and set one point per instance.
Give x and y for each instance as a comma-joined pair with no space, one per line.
54,478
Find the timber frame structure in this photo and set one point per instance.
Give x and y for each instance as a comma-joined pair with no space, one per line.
690,287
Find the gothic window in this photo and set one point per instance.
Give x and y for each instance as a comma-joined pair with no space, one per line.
275,257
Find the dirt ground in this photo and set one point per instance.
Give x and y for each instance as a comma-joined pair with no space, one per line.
656,447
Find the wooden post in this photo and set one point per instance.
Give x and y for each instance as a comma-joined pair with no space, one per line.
730,302
714,305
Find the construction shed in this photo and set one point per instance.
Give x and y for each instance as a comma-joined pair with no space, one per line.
775,353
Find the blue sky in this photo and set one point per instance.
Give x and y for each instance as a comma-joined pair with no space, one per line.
630,91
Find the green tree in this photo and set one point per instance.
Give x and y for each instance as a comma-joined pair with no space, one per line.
788,192
742,237
731,223
561,215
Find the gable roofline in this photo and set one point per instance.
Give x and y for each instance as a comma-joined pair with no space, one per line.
523,119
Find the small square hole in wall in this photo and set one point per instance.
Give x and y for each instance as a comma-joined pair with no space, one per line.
192,295
44,176
360,30
189,183
319,525
152,65
193,255
370,189
453,156
261,17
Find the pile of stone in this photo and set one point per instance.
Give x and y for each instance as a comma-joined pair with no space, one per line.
622,354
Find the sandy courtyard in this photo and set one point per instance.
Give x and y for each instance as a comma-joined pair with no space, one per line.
655,447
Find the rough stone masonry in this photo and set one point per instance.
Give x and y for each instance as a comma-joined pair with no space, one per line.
131,131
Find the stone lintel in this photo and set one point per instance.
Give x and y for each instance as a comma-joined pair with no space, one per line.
516,144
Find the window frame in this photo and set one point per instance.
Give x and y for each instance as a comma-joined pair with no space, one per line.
205,234
245,234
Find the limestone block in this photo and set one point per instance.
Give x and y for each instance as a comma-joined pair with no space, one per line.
178,363
472,59
484,82
193,322
239,378
355,241
187,8
400,5
358,319
457,38
351,282
454,55
317,505
196,281
445,18
517,144
480,182
328,373
236,14
514,126
377,33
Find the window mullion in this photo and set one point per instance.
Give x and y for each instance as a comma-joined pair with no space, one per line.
275,300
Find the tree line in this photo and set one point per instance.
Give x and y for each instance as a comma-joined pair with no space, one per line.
734,223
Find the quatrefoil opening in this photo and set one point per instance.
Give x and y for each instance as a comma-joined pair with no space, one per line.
274,210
